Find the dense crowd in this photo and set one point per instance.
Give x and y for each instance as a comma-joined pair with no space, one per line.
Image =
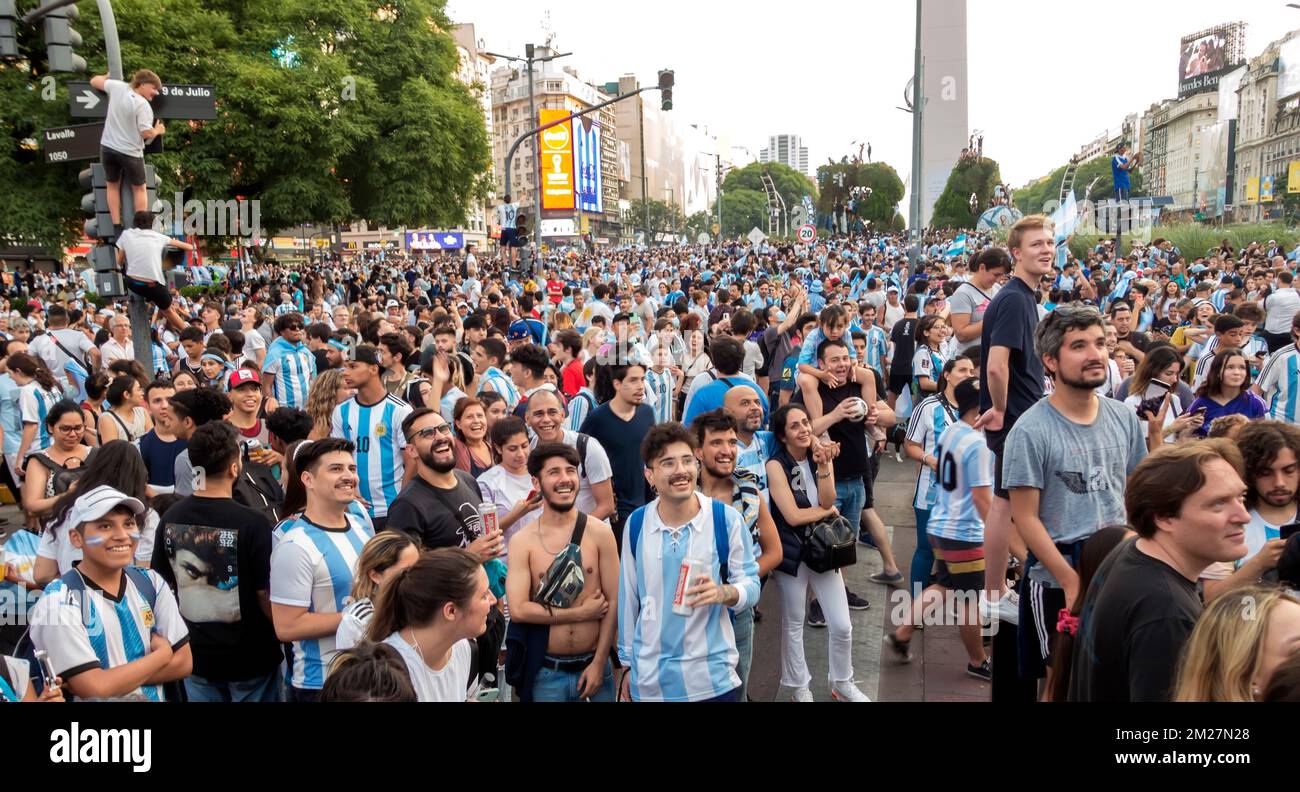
401,477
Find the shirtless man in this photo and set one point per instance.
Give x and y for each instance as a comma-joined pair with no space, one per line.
576,663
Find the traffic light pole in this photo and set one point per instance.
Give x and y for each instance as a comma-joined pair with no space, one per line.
510,155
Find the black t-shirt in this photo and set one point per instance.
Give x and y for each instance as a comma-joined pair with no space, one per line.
216,556
622,442
851,435
1010,322
903,337
1138,614
425,512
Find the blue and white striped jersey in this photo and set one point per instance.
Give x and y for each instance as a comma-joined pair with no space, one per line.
681,658
502,384
965,462
1280,383
376,431
119,631
659,394
877,348
34,403
355,509
312,568
294,367
929,420
580,406
753,457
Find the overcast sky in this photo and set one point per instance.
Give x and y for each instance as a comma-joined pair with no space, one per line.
834,72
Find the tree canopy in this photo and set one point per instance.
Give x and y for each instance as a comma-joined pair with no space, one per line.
953,209
326,113
838,180
1045,193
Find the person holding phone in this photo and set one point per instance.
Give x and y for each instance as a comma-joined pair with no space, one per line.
1271,451
1156,377
1227,391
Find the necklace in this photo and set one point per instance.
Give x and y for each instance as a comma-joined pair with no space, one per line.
542,540
415,644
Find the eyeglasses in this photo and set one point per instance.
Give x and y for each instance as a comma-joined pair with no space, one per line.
71,429
425,434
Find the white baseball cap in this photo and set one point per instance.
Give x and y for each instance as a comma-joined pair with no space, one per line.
100,501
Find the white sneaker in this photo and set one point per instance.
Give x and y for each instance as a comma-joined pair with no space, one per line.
802,696
1006,608
847,691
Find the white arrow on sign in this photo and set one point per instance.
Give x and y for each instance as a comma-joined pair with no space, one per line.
88,99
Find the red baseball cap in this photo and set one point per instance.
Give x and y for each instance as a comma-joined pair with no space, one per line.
243,376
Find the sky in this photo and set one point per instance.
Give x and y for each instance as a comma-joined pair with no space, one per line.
835,73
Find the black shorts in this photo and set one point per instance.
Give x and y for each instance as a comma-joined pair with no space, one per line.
116,163
1040,607
998,490
507,237
869,481
899,383
961,564
155,293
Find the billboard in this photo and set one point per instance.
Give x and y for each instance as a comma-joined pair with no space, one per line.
586,160
434,240
1207,56
556,161
1293,177
1288,80
1266,190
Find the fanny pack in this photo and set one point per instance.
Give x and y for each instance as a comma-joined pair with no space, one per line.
563,582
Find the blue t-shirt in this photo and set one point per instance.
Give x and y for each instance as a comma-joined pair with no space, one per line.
1119,171
712,396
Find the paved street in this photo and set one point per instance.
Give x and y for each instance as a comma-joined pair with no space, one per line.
938,670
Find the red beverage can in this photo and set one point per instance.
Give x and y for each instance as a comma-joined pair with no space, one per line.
686,576
487,514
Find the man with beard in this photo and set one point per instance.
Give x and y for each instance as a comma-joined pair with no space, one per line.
596,489
1066,464
675,657
439,507
575,665
1271,451
721,480
370,420
311,567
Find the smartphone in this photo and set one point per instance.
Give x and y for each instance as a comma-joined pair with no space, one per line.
487,695
1288,531
47,669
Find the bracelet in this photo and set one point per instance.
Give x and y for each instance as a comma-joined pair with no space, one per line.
823,475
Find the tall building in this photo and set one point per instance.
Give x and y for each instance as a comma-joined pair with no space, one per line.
676,165
1155,147
1178,127
1268,127
593,161
475,71
787,150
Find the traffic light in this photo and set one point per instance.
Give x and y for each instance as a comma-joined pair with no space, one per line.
95,203
151,195
61,40
8,29
666,88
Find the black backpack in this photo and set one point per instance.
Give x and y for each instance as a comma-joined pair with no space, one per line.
259,489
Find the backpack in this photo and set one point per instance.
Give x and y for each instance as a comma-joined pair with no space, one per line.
259,489
720,539
73,580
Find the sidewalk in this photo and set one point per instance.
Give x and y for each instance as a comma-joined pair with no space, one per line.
938,669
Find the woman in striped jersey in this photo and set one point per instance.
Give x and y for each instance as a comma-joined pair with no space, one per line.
382,559
929,420
37,393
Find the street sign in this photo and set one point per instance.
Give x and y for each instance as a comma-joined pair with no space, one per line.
177,100
756,236
703,239
66,144
808,233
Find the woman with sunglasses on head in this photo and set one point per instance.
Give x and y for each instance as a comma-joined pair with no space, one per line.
51,472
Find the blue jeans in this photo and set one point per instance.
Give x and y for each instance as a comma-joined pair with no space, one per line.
744,629
267,689
551,685
923,558
850,498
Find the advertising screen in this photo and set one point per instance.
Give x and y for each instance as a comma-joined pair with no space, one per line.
556,161
1206,56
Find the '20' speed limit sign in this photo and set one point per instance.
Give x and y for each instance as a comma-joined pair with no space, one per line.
808,234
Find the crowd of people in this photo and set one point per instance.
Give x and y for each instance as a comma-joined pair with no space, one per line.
438,479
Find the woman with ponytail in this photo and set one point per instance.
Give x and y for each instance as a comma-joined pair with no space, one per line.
38,391
431,613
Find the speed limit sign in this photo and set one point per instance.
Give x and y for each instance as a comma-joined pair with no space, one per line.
808,234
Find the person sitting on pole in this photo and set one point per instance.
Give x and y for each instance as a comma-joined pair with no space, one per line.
141,248
128,126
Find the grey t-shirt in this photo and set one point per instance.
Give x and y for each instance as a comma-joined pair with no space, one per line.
1079,470
969,300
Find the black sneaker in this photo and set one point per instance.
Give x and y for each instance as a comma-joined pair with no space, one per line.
982,671
902,649
856,603
815,616
758,616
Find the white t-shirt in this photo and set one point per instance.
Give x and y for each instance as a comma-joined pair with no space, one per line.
112,352
505,489
595,469
143,249
448,685
1281,306
253,343
56,545
20,674
128,115
893,313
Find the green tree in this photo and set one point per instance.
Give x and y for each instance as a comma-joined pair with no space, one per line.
790,183
953,209
1044,195
700,223
743,211
837,182
326,113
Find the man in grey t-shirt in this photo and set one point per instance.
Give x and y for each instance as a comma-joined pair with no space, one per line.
1066,463
128,126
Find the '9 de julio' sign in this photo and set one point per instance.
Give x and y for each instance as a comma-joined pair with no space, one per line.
556,153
